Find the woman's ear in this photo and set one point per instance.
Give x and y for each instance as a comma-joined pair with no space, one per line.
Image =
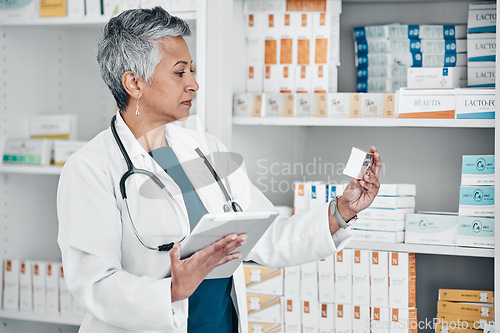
131,84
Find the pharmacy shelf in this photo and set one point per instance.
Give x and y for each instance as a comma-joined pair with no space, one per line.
422,248
42,317
77,21
31,169
365,122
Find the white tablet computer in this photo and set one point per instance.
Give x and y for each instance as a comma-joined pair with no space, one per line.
213,227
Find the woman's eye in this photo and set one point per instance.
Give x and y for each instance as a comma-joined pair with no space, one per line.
180,73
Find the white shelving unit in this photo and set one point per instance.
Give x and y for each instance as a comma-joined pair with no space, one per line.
31,169
42,317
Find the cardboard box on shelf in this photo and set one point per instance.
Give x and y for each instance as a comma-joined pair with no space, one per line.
291,282
292,315
422,103
402,280
477,310
464,295
361,277
437,229
264,308
379,277
343,276
263,280
475,104
326,280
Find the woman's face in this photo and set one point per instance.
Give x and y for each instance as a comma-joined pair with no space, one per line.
168,97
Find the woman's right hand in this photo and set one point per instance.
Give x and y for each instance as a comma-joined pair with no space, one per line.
187,274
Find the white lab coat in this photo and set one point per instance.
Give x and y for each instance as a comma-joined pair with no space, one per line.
114,277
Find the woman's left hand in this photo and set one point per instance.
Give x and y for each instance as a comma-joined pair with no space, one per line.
360,193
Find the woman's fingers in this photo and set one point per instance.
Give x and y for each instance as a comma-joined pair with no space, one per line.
376,163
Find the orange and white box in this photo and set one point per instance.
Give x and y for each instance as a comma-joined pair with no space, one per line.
309,281
338,105
292,315
254,25
52,290
361,277
300,197
255,78
321,105
319,50
379,277
320,79
255,51
372,105
420,103
326,277
343,276
288,50
278,105
305,51
402,277
286,28
380,320
273,25
327,318
264,308
301,24
65,297
271,51
305,105
403,320
321,24
303,79
463,295
361,319
291,282
265,327
10,298
271,79
286,78
25,287
39,270
319,194
263,280
247,105
343,318
484,311
310,316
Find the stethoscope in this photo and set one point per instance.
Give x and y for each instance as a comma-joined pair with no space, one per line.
229,206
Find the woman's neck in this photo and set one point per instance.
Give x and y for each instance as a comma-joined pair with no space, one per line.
151,135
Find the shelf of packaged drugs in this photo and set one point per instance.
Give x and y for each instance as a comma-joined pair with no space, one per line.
42,317
422,248
77,21
365,122
31,169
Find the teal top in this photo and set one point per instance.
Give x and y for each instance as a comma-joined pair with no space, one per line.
210,306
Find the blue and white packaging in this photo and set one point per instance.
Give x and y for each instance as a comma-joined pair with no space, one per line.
434,229
477,201
437,77
380,85
478,170
482,17
318,194
379,225
385,213
427,31
396,73
481,47
476,232
409,59
410,45
481,74
475,104
373,31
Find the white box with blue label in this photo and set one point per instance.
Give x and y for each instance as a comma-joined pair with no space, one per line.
437,229
411,59
481,74
476,231
481,47
437,77
410,45
427,31
482,18
475,104
477,201
478,169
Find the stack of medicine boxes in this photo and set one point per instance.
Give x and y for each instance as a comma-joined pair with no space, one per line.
481,45
477,202
384,220
309,195
461,311
384,52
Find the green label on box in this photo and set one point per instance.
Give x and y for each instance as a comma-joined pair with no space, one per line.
22,159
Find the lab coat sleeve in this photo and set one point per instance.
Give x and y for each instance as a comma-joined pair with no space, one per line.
90,230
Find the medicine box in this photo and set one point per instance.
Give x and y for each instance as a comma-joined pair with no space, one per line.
475,104
319,194
382,72
476,231
372,105
361,319
39,270
403,320
379,276
263,280
482,17
271,79
273,105
478,170
10,290
255,78
411,45
385,214
399,31
343,318
25,151
247,105
463,295
300,197
326,280
319,79
52,288
402,280
380,320
309,281
303,79
287,78
379,225
63,149
378,236
393,202
361,277
431,229
18,9
453,329
481,47
310,316
65,297
437,77
358,163
452,319
305,105
476,310
481,74
477,201
265,327
411,59
398,189
292,315
426,103
291,282
53,127
338,105
264,308
327,318
25,287
343,276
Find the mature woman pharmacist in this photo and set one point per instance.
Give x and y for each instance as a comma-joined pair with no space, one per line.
146,64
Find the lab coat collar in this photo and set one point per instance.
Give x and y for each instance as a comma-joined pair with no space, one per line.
176,136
